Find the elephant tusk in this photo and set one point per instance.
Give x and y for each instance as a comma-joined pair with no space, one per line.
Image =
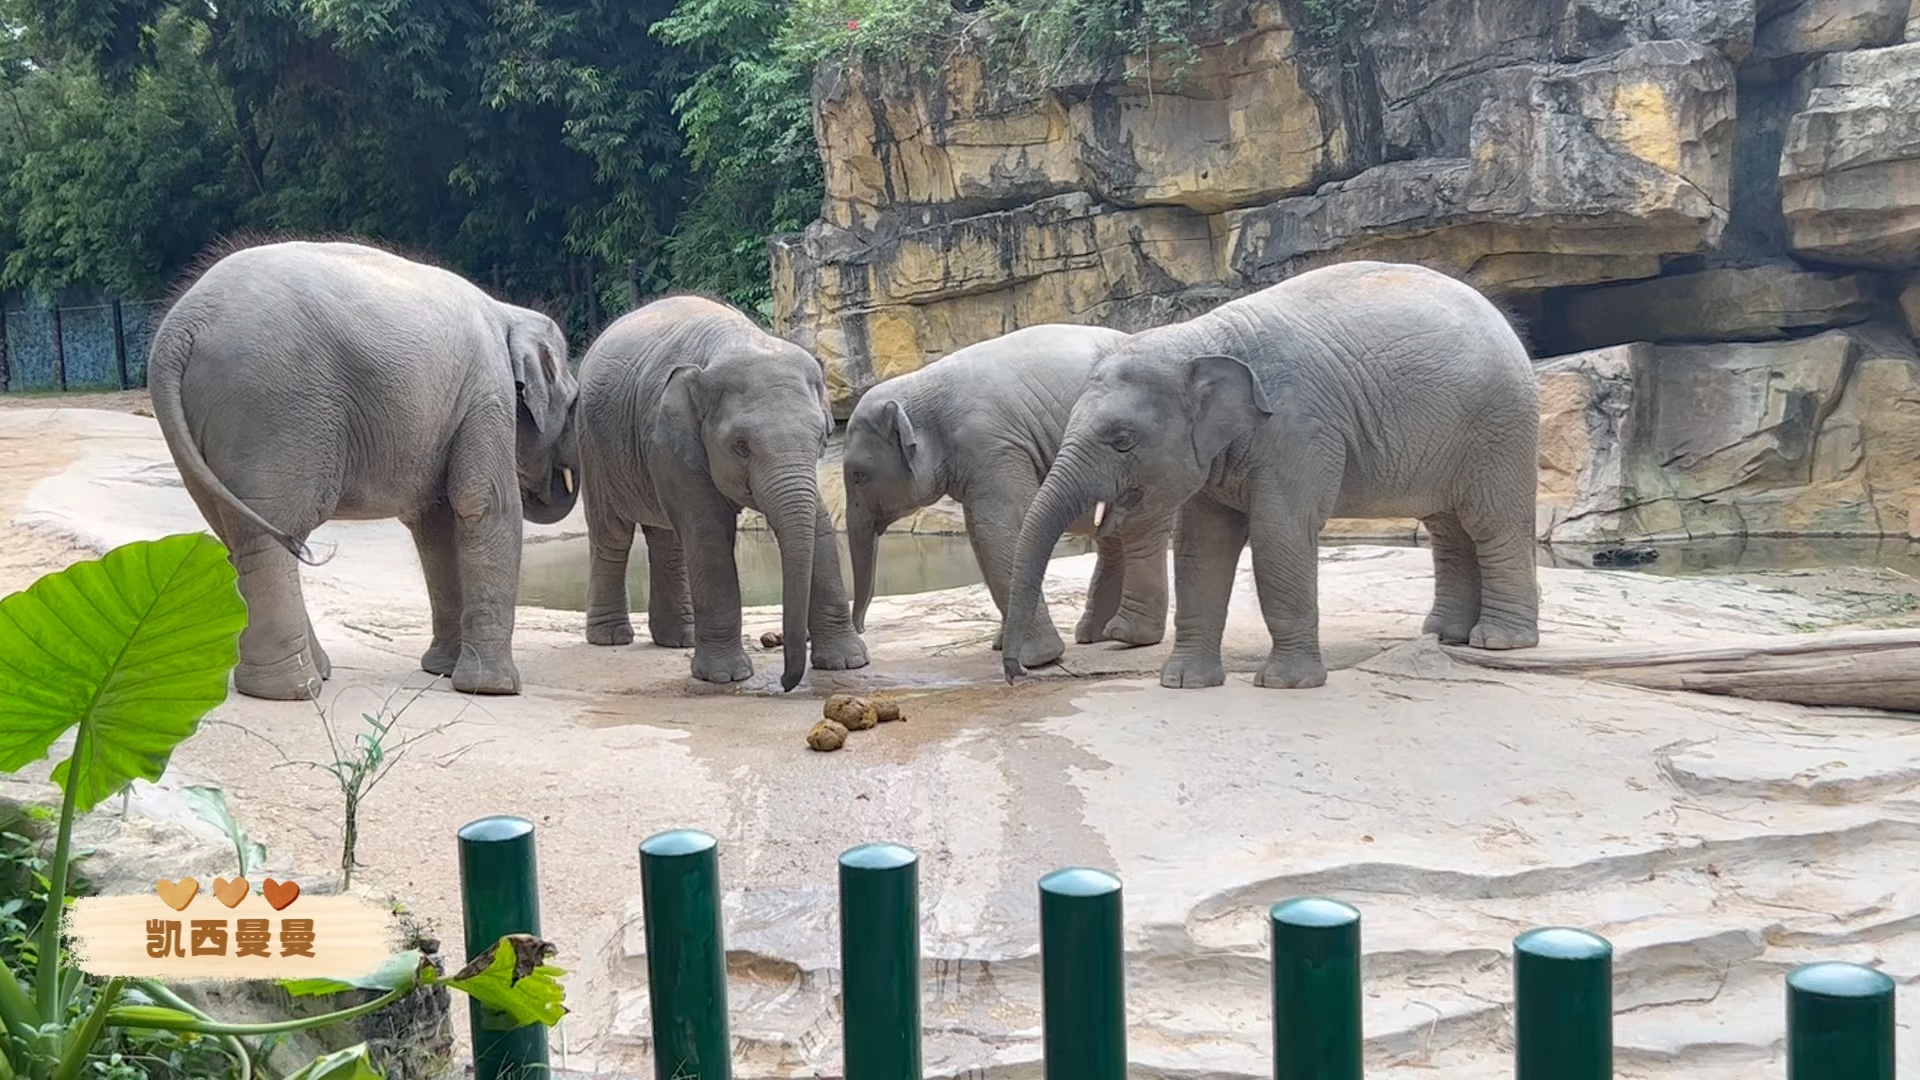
566,477
1099,514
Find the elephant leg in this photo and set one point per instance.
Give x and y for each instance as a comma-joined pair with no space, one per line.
1456,581
433,539
609,546
669,606
1142,615
834,645
1206,556
1285,529
714,581
486,540
1103,591
994,518
276,656
1500,522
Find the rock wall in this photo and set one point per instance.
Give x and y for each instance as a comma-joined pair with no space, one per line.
1704,213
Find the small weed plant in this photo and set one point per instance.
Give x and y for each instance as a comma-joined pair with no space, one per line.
127,654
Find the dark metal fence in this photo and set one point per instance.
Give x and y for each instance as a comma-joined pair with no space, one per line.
50,348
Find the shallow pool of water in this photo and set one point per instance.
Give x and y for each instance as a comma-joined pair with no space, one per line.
554,573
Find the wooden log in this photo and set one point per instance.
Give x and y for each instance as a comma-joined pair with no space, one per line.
1873,669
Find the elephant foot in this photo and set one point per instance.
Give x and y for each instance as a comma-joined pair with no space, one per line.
321,661
1042,647
293,679
1451,629
722,664
609,631
440,658
673,633
839,652
1191,672
999,640
474,675
1088,630
1132,630
1489,634
1293,670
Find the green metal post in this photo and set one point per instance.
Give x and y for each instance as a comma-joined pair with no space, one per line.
1083,976
1562,1005
500,895
1316,990
880,962
686,955
1839,1023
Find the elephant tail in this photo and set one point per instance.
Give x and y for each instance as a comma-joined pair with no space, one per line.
167,358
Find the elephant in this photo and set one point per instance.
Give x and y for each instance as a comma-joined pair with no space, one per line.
981,426
689,412
301,382
1361,390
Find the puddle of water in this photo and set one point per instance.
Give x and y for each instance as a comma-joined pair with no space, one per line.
554,574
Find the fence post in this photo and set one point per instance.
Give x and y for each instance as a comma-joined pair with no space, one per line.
500,895
1562,1005
1083,976
1839,1023
6,361
880,962
686,955
59,348
1316,990
120,342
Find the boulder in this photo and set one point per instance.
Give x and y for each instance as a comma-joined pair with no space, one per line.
1850,168
1755,303
1913,22
1798,31
1815,436
1576,174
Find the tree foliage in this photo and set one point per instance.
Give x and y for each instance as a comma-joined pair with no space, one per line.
507,139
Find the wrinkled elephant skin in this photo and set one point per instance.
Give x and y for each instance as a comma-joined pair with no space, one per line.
981,426
1361,390
297,383
688,414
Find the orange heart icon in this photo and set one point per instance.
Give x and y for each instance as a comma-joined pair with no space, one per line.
178,894
230,890
280,893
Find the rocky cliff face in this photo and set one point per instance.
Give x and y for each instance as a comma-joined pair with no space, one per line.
1704,212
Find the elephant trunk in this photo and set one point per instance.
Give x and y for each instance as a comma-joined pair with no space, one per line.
1068,492
863,547
790,503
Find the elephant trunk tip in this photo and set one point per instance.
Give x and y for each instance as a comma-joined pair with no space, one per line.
1011,663
789,680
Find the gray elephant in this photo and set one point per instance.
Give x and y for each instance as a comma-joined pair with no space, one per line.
688,414
297,383
981,426
1360,390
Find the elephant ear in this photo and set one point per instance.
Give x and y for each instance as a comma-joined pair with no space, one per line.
899,431
677,417
537,352
1225,401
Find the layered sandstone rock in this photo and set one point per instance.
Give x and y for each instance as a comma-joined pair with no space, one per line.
1850,172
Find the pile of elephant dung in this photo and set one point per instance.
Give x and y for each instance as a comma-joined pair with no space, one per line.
847,713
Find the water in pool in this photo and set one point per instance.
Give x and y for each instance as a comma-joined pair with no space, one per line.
554,573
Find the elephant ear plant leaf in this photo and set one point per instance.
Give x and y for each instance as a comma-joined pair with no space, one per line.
129,652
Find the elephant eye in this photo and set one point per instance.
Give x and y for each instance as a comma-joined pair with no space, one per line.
740,448
1121,441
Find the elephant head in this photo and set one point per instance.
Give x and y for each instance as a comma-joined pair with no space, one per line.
889,472
1139,443
755,422
546,440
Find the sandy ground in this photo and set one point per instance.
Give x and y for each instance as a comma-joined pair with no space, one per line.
1715,842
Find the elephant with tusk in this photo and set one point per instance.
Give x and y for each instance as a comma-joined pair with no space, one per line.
1360,390
981,426
297,383
690,413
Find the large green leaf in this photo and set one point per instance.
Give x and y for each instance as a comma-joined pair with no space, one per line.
402,969
352,1063
134,648
513,977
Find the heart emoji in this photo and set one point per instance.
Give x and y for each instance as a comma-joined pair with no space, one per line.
280,893
230,890
178,894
